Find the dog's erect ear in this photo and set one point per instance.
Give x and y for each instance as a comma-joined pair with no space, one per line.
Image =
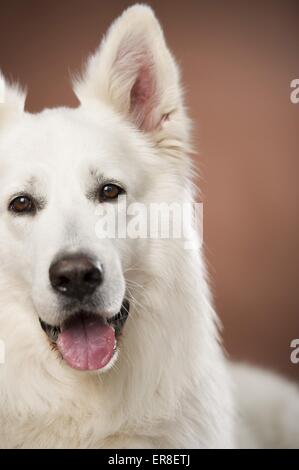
12,100
133,71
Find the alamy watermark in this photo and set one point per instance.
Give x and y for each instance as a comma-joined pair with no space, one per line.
294,96
164,221
295,351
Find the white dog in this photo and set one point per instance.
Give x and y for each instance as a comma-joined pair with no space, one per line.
112,342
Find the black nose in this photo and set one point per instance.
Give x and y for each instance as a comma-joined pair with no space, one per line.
75,276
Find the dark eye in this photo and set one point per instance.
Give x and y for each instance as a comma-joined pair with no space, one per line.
109,192
22,205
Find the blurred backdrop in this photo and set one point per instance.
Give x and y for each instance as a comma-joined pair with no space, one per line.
238,59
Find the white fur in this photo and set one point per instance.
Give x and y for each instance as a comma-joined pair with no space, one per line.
170,385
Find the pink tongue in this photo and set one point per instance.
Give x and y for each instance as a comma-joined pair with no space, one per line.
86,343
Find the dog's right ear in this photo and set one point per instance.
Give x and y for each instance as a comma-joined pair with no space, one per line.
134,72
12,101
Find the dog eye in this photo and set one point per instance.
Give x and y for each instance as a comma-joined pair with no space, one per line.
109,192
22,205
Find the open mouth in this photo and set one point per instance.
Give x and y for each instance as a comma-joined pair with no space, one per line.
86,340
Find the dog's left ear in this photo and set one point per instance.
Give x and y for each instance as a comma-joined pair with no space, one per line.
12,101
134,72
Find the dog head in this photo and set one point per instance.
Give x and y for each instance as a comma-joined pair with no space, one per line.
124,143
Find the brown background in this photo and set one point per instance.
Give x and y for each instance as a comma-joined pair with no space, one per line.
238,59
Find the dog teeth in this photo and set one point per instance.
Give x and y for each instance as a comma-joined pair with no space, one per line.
53,333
